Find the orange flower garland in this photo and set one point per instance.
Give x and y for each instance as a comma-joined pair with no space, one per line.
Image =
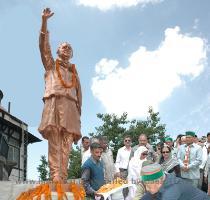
61,193
77,190
110,186
36,192
74,79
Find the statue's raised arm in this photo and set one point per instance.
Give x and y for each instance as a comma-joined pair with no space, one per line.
46,14
44,45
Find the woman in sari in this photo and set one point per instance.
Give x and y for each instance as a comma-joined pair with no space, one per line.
169,164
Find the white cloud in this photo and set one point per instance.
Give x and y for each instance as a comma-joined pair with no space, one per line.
109,4
151,76
110,66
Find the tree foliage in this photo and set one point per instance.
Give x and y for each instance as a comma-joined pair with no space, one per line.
152,127
74,170
43,169
115,128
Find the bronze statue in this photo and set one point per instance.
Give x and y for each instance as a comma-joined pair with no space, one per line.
60,123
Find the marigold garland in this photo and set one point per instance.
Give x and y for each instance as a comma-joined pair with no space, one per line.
60,191
35,192
110,186
74,79
22,196
47,193
78,191
44,189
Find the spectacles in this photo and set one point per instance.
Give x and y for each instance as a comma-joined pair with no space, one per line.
165,152
127,140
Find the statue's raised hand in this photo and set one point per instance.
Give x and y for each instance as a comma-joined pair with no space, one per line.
46,14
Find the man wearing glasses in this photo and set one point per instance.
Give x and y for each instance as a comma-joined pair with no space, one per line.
143,141
122,160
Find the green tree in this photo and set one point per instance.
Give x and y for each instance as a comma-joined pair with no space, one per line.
43,169
152,127
74,170
114,128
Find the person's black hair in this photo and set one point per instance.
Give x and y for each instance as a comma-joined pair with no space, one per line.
85,137
208,134
161,150
179,136
161,144
165,146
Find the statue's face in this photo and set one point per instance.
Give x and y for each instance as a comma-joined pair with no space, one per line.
65,51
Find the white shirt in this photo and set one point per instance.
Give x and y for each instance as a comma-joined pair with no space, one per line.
85,155
122,160
82,150
204,157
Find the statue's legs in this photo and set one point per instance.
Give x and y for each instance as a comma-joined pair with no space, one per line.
66,150
54,158
59,147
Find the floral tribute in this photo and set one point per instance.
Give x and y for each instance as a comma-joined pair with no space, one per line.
74,79
44,189
118,182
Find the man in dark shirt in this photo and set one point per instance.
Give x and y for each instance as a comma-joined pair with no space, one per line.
167,187
93,172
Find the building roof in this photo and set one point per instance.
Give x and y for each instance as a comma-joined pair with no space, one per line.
17,124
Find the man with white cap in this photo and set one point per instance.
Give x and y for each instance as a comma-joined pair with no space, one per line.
162,186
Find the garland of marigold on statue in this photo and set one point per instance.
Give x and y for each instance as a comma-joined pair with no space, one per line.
60,192
77,190
73,81
36,192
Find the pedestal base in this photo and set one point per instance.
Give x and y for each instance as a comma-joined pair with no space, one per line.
54,196
11,191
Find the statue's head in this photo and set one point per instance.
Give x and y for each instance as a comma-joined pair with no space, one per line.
65,51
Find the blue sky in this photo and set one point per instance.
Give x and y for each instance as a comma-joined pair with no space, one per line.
130,54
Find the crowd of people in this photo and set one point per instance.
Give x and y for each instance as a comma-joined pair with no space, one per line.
169,170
